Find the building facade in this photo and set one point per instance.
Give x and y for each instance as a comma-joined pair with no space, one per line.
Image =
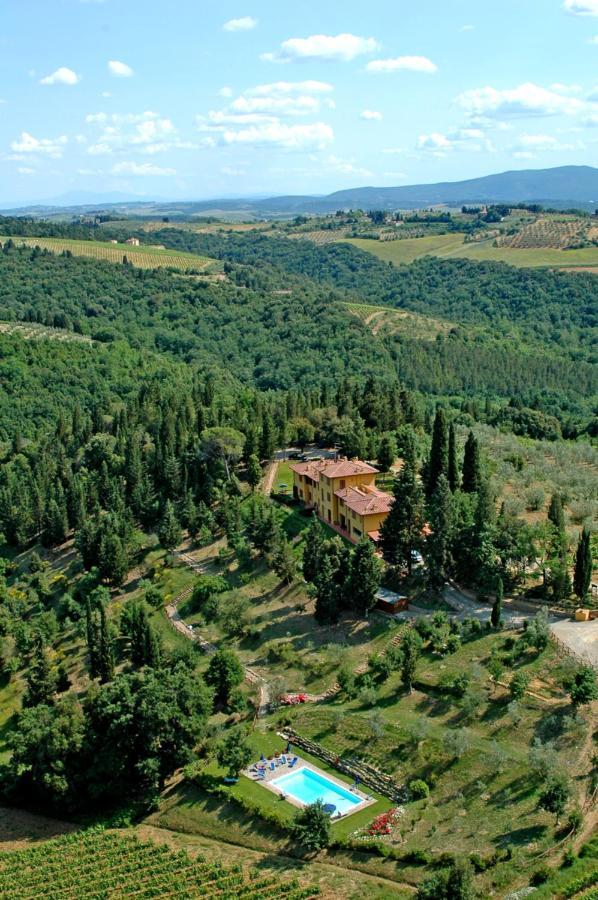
343,493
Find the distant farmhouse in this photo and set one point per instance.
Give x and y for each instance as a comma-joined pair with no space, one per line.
343,493
132,241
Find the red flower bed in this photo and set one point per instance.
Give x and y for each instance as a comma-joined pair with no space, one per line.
383,823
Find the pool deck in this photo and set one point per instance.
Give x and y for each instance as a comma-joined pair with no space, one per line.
283,768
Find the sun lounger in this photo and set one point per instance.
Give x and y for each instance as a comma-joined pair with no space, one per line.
272,766
293,762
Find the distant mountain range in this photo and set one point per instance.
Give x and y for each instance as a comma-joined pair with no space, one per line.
560,187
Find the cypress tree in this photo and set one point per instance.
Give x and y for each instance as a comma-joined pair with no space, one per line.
556,513
364,577
254,471
92,638
440,540
327,607
105,650
496,615
169,530
583,564
401,530
438,463
387,452
312,550
453,471
472,477
113,562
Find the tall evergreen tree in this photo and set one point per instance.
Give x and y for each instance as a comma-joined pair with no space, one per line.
438,462
364,577
91,629
556,514
496,614
583,564
105,649
312,549
439,541
112,559
41,681
401,530
254,471
453,469
327,608
472,475
387,452
169,530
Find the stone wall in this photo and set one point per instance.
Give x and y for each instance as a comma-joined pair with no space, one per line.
355,768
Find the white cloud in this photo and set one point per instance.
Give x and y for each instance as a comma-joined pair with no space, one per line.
594,40
316,135
61,76
120,69
246,23
290,87
134,168
471,139
147,131
226,91
342,47
348,167
566,88
292,106
403,63
25,170
27,143
372,115
544,142
232,171
467,28
525,100
582,7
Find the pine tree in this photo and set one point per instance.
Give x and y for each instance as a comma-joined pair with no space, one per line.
364,577
92,639
387,452
453,470
254,471
55,523
267,442
284,561
169,530
472,476
440,540
41,681
409,654
112,562
402,528
496,614
312,549
105,649
438,462
583,564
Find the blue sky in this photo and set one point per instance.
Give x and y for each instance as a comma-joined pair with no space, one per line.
191,99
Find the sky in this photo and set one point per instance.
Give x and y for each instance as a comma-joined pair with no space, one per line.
192,99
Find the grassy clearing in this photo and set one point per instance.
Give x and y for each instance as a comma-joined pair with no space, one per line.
144,257
269,743
452,245
35,332
385,321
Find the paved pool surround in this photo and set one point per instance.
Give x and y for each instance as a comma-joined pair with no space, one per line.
304,783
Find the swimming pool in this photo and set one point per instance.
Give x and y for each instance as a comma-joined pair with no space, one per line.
307,786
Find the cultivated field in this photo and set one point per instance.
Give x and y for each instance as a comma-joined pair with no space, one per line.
144,257
106,864
385,321
34,332
452,245
546,231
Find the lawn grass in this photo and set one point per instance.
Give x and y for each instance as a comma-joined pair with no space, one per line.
452,245
269,743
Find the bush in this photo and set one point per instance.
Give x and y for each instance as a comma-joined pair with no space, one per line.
540,876
419,789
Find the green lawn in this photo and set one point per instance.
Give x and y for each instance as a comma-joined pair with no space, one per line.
269,743
452,245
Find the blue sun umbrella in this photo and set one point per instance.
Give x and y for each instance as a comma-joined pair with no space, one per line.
329,808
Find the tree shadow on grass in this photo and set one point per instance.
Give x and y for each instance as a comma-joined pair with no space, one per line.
519,837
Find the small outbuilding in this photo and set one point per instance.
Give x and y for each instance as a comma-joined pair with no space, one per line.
390,602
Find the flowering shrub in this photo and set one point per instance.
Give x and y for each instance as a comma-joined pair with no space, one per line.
383,823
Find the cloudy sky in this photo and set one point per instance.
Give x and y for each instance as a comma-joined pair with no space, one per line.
191,99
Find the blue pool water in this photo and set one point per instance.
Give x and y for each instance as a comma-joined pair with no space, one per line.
307,786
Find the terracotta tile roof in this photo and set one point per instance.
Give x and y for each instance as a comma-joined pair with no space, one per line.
333,468
365,500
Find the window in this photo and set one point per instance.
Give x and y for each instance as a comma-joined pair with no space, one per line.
342,483
356,531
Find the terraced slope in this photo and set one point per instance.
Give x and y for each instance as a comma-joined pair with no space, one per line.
383,320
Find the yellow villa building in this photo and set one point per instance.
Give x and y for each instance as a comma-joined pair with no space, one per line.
343,493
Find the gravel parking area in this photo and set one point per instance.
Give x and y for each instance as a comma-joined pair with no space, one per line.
579,637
